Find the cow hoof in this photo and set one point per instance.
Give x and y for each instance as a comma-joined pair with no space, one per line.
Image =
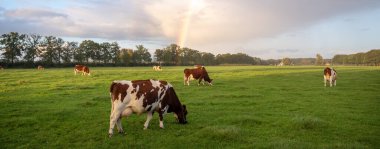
109,135
121,132
145,128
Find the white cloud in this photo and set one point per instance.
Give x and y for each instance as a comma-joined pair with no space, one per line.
219,26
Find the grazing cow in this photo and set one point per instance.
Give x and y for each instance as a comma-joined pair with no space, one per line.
144,96
39,67
197,74
330,75
157,68
81,68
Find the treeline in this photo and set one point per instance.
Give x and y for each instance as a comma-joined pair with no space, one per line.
29,50
370,58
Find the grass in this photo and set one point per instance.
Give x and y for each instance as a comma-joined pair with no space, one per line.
248,107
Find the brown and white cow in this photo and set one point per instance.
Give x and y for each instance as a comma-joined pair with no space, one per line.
330,75
157,68
197,74
81,68
144,96
39,67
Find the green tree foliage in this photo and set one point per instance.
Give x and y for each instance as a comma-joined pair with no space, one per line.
141,55
369,58
115,52
286,61
239,58
104,53
58,45
32,43
88,48
13,44
68,51
319,60
125,56
48,49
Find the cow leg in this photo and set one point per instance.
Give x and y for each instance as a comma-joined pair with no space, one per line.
160,114
148,118
184,80
324,80
331,82
127,112
334,82
115,116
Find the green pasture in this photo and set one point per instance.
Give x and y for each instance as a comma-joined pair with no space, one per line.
247,107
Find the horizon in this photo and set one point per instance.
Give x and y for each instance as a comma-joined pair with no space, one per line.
263,29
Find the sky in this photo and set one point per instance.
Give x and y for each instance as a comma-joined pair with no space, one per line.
268,29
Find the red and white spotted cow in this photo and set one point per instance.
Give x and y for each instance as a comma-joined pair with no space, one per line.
157,68
330,75
81,68
39,67
199,73
144,96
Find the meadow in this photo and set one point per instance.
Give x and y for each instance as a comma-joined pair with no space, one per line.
247,107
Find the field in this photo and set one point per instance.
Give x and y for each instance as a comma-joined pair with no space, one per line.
247,107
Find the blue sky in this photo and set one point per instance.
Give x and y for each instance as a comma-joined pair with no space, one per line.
260,28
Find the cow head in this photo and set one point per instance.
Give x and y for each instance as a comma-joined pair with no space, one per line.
181,115
210,82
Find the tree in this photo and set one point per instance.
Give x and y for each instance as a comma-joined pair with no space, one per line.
58,49
319,60
115,52
159,55
126,55
141,55
208,58
286,61
105,52
88,48
68,51
47,52
13,45
33,42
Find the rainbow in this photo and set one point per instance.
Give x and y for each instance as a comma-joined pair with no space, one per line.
186,23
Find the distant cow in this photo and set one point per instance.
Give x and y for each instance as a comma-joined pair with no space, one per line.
81,68
144,96
197,74
330,75
157,68
39,67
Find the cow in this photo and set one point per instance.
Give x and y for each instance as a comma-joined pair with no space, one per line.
330,75
144,96
157,68
39,67
81,68
197,74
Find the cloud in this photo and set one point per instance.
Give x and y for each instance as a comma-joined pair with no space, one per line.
215,25
287,50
